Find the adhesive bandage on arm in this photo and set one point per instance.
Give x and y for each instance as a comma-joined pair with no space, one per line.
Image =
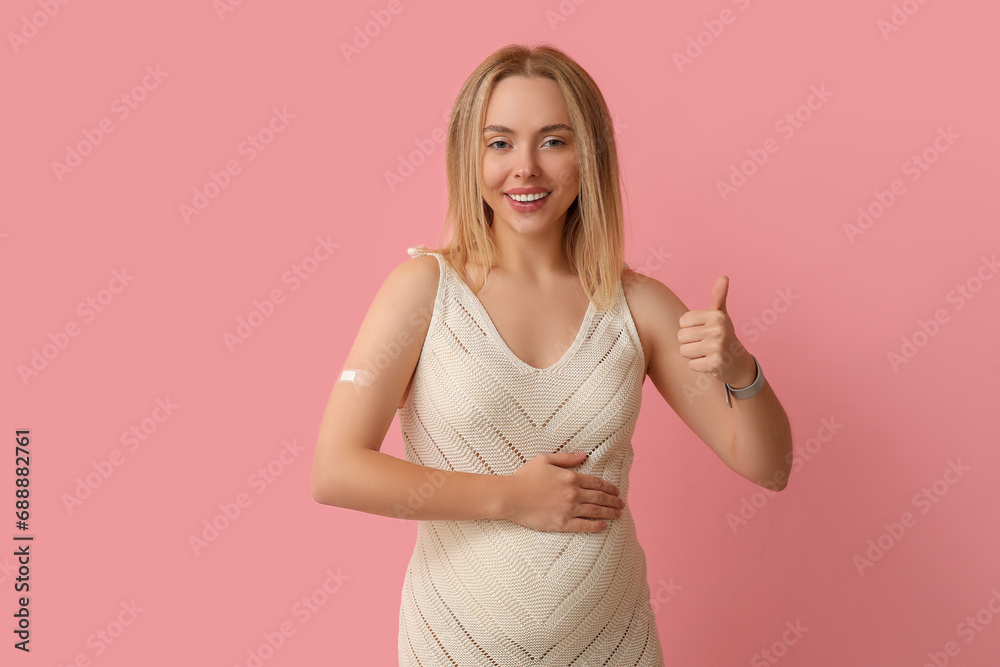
357,376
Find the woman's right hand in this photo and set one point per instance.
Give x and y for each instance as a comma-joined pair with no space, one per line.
545,495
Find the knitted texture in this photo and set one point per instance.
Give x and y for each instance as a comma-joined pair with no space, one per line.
491,592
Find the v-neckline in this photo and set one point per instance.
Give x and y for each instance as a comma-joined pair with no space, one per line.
516,360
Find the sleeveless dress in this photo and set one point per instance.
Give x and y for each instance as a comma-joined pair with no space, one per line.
491,592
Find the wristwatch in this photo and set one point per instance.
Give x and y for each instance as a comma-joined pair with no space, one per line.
748,391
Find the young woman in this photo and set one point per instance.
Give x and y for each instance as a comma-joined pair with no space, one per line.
516,357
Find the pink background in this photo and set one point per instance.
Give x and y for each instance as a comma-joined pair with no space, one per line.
723,594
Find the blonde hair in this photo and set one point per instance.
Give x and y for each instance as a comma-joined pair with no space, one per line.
594,236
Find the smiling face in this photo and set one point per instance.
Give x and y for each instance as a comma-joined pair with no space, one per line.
529,145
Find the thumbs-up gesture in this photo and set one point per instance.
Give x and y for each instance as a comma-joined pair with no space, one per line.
709,341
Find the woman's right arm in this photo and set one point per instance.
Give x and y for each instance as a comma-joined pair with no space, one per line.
349,471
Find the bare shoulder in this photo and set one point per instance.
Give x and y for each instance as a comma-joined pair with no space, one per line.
409,291
655,309
642,288
418,277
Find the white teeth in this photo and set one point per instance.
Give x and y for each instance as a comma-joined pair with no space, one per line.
524,198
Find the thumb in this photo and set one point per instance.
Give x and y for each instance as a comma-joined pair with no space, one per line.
719,292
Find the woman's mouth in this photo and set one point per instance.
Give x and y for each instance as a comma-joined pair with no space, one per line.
527,203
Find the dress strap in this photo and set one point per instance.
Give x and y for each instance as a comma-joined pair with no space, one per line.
418,250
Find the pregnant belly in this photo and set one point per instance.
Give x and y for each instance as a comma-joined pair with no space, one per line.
498,581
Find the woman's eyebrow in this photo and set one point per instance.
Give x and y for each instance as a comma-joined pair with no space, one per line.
503,129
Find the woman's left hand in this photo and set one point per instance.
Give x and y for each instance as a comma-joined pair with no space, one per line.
709,341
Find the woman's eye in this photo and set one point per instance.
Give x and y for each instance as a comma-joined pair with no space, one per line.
501,141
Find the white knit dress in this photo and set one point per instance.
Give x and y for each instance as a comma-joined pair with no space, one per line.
491,592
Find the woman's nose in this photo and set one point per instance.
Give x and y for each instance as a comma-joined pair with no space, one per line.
526,164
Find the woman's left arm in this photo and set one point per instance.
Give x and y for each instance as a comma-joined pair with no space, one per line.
688,363
763,436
